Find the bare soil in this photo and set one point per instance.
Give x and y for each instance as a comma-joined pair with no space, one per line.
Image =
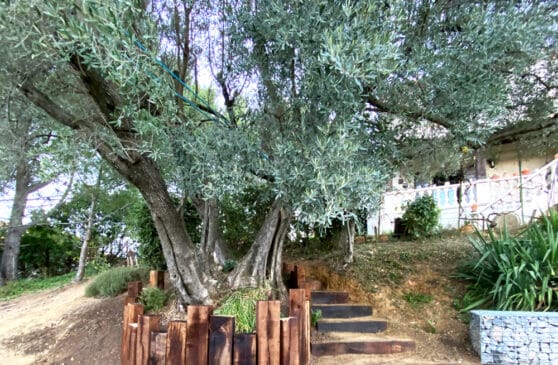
60,326
63,327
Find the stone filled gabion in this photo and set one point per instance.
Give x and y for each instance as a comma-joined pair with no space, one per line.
501,337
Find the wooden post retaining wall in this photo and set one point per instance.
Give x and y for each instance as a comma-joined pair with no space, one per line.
207,339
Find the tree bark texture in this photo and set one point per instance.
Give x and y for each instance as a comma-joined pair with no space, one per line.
139,170
16,229
89,230
9,264
262,263
346,240
212,243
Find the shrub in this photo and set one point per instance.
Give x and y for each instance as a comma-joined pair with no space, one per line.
242,305
153,299
515,272
421,217
115,281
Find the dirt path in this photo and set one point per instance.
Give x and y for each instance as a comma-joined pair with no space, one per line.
60,326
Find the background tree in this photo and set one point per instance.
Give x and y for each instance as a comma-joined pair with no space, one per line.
34,155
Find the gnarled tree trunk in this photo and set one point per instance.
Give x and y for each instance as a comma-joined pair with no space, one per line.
262,263
139,170
212,242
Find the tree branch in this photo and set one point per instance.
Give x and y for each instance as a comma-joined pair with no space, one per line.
514,133
385,108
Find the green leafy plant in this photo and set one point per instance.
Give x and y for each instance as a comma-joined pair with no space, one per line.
515,272
421,217
115,281
315,316
242,305
99,264
153,299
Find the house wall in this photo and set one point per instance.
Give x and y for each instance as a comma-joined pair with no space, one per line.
482,200
507,160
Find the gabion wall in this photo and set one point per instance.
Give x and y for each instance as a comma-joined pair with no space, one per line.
515,337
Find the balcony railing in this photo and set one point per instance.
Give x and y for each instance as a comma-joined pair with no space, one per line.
479,202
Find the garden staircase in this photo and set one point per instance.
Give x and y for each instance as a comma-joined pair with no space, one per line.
346,328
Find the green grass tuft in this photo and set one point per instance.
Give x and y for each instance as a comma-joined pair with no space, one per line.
417,299
242,305
19,287
112,282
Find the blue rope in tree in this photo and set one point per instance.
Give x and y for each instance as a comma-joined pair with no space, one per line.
214,115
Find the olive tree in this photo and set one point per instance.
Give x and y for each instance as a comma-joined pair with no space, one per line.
340,87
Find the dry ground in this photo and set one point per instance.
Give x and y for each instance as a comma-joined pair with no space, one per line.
60,326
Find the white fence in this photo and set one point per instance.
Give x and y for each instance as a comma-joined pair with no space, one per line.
481,200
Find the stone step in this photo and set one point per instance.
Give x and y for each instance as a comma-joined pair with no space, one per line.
360,325
342,310
362,346
329,297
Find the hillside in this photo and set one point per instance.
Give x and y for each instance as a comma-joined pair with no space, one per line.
411,284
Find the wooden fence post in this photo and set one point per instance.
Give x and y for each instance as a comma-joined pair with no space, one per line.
297,308
244,349
197,338
306,336
290,354
157,279
268,332
131,312
176,343
146,324
221,332
157,354
131,358
134,291
300,277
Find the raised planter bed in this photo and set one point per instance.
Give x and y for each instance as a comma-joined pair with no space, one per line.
501,337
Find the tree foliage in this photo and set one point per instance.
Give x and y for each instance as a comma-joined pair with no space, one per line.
47,251
340,90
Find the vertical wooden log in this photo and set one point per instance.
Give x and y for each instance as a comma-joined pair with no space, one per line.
131,360
176,343
197,338
268,332
297,298
157,279
131,312
146,324
244,349
158,348
134,289
306,337
300,276
289,341
221,332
